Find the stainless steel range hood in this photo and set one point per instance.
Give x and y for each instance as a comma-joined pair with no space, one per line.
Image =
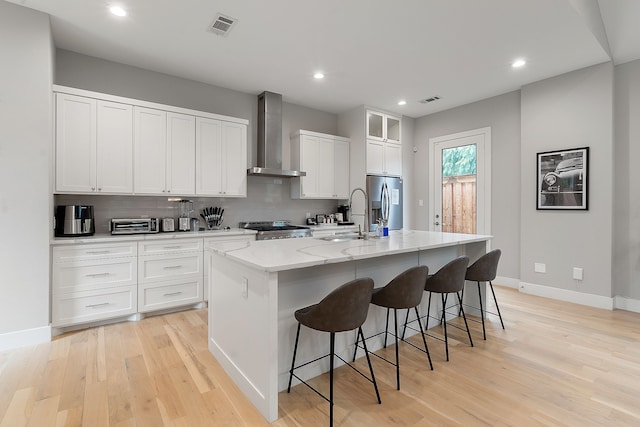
270,138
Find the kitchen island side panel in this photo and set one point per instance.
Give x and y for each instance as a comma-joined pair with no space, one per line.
243,329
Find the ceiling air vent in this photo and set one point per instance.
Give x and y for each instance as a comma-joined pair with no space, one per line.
222,24
431,99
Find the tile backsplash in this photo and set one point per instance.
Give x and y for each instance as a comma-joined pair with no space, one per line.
267,199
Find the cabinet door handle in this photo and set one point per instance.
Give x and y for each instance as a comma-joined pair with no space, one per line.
169,267
172,247
96,275
171,294
97,252
97,305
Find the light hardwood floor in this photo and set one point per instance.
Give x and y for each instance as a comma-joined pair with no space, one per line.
555,364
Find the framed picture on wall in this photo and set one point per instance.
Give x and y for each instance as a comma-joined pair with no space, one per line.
563,179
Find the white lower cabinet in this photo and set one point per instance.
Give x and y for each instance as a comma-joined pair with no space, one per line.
169,274
89,306
93,282
169,293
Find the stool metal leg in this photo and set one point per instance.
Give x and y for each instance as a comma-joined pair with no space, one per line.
331,352
424,340
395,317
293,362
465,321
496,301
444,324
386,329
355,350
426,323
366,352
406,321
484,332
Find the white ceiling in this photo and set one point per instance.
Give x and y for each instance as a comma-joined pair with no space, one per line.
373,52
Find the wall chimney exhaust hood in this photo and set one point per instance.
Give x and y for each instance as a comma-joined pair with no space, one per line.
270,138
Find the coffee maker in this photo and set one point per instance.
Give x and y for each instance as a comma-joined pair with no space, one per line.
344,210
74,220
184,216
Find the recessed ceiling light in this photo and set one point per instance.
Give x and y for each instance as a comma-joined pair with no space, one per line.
518,63
118,11
318,76
403,102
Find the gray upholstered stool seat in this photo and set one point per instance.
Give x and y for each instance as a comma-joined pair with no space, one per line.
485,269
448,280
344,309
403,292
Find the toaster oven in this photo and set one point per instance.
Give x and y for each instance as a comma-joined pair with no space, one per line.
134,226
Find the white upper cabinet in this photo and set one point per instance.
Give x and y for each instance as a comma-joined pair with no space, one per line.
165,155
115,148
94,143
221,153
325,159
384,147
114,145
181,153
150,145
383,127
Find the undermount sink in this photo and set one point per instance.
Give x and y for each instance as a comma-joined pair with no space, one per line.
341,237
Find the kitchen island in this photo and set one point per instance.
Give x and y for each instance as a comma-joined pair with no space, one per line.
256,286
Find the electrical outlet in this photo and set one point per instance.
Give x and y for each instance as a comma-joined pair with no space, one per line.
577,273
308,215
539,267
244,287
420,202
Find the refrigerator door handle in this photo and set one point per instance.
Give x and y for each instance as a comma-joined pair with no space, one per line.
385,202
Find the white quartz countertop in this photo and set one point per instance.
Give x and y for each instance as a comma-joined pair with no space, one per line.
289,254
108,238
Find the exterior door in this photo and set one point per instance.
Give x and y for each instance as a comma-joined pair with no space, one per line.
460,177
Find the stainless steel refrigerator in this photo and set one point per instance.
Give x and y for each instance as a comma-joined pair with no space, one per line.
385,200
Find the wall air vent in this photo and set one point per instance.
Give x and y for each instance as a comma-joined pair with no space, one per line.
222,24
431,99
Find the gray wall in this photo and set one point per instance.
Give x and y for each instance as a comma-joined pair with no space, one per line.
25,158
569,111
502,114
626,190
267,198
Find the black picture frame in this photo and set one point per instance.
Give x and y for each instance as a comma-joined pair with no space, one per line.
563,179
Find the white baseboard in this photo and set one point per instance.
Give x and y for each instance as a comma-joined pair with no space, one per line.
591,300
25,338
628,304
507,282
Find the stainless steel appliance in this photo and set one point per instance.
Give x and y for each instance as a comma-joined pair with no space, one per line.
269,149
74,220
385,201
168,224
270,230
185,211
135,226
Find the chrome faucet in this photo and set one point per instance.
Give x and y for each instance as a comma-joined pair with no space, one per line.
366,213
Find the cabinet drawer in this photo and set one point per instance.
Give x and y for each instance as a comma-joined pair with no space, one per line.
89,306
85,252
170,246
173,293
166,267
94,274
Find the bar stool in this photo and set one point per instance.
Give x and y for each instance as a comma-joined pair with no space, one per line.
485,270
403,292
448,280
344,309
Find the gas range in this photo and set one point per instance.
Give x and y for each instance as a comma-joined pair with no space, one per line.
270,230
